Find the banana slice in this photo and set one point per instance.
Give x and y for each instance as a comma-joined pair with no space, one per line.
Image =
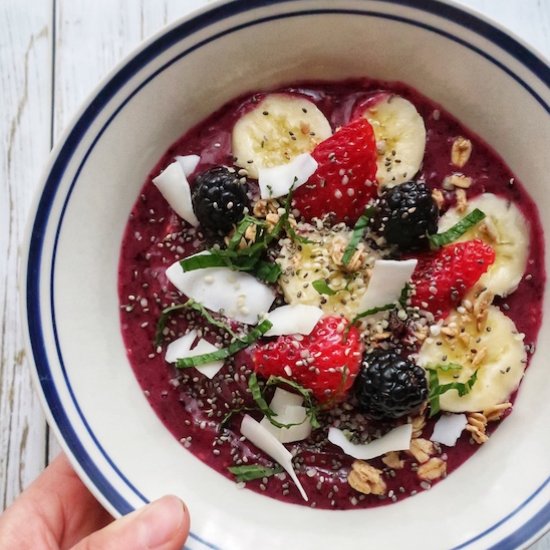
278,129
400,138
493,347
321,260
506,230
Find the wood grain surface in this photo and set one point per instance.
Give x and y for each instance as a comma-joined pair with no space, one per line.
52,55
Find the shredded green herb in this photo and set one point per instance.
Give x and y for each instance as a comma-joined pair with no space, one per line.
256,392
284,221
246,259
203,261
195,306
457,230
262,403
405,293
250,258
240,230
231,413
295,237
437,389
268,272
448,367
371,311
249,472
311,408
163,319
387,307
357,234
321,286
235,346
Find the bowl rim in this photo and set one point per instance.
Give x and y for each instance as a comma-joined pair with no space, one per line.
71,138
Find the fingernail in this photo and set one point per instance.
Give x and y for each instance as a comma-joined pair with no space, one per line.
162,520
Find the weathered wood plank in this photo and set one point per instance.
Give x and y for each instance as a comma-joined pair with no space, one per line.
25,82
91,38
529,19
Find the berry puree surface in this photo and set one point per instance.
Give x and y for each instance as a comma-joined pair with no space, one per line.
192,406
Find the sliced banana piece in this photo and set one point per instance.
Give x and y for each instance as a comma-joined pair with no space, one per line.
400,138
493,347
278,129
506,230
321,260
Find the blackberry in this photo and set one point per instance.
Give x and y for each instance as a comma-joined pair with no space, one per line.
406,213
389,386
219,200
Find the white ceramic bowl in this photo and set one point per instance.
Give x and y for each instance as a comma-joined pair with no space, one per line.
492,83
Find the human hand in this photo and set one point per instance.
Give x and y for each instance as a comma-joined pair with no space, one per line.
57,512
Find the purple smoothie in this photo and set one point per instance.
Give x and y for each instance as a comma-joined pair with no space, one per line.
192,406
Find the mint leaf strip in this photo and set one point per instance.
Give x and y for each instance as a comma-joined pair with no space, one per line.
249,472
204,261
372,311
163,319
295,237
437,389
405,293
224,353
230,414
457,230
190,304
321,286
304,392
196,306
258,397
262,403
268,272
357,234
240,230
447,367
249,258
248,262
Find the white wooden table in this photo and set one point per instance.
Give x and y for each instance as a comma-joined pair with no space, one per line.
52,54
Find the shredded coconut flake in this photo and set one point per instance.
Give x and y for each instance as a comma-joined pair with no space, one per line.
173,185
277,181
448,428
398,439
239,295
268,443
386,283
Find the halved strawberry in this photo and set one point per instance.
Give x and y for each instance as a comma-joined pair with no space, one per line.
326,361
442,278
345,179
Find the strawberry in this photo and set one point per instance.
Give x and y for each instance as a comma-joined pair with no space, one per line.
442,278
326,361
345,179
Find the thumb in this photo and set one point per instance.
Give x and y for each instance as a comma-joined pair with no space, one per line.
161,525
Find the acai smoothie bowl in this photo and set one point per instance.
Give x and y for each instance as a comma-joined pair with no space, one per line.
303,285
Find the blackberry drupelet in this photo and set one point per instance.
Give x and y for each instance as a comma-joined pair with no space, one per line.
219,200
389,386
406,213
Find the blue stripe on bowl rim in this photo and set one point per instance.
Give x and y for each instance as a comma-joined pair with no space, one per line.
137,62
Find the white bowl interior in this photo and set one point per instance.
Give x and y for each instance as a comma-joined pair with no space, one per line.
481,94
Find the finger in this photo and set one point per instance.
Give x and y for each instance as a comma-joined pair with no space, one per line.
55,511
161,525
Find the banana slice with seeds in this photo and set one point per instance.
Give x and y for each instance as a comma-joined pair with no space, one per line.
400,138
506,230
278,129
321,260
488,343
